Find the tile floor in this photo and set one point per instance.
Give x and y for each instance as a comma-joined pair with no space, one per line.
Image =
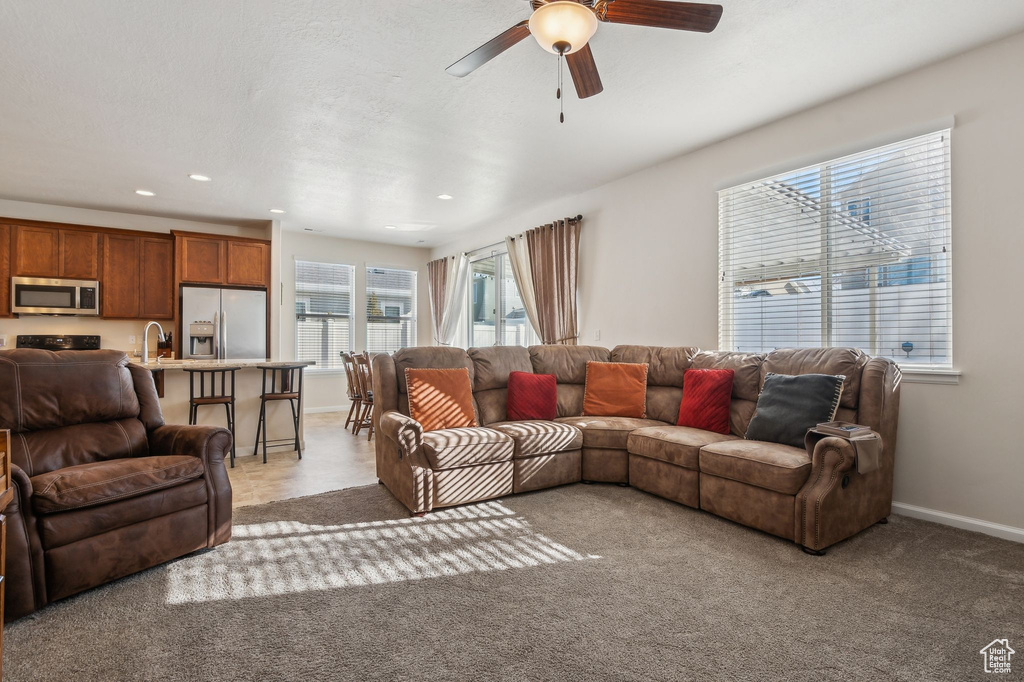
333,459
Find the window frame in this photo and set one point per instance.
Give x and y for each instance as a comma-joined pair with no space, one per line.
351,317
413,320
878,275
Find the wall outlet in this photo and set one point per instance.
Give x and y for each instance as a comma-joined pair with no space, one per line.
597,335
3,340
131,339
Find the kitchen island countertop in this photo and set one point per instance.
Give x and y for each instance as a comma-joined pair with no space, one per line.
243,363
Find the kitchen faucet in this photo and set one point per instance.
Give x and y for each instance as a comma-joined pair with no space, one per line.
145,341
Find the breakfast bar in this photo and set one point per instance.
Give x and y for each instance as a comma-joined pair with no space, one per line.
172,381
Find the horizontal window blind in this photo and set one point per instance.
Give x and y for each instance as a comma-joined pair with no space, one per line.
390,309
852,252
323,312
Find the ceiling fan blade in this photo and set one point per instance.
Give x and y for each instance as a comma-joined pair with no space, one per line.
584,73
489,50
683,16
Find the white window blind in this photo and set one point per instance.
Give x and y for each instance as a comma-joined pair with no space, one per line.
390,309
323,312
852,252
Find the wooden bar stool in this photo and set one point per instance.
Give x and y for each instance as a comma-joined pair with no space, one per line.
285,384
210,393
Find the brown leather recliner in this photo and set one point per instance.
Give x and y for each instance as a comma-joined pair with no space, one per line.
103,488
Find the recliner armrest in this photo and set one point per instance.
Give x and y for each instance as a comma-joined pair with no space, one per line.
211,444
405,431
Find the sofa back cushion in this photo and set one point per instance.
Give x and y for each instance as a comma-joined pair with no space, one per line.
46,390
429,357
492,366
848,362
666,367
746,383
569,365
440,398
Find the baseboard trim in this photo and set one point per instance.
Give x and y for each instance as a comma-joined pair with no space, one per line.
327,408
964,522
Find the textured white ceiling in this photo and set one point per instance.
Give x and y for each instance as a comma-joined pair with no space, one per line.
340,111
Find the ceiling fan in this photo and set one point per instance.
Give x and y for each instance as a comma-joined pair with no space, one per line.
564,27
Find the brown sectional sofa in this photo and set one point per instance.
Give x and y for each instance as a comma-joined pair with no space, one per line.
815,500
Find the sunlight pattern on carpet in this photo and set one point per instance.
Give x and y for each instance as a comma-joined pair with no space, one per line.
284,557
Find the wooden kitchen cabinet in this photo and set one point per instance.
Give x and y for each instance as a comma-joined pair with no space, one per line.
119,286
36,251
203,260
5,270
55,252
156,272
248,263
79,254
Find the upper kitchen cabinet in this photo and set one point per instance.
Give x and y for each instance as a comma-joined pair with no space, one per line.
79,254
203,260
119,288
41,251
156,262
248,263
209,259
36,251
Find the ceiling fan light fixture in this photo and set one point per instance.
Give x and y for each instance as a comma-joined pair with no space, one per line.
562,23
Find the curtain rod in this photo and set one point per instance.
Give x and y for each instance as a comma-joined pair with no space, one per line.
480,249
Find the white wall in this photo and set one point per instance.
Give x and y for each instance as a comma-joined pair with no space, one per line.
650,247
325,390
113,333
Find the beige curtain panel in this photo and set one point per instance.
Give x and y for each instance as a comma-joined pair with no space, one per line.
446,284
545,264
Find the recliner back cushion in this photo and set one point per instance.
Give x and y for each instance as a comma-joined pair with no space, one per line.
493,364
567,363
46,390
665,365
429,357
846,361
39,452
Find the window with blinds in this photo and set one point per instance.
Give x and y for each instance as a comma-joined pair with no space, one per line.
390,309
853,252
323,312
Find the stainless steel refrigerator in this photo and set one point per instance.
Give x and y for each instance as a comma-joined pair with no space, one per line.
226,324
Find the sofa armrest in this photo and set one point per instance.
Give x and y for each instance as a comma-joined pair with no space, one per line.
25,576
211,444
835,502
406,432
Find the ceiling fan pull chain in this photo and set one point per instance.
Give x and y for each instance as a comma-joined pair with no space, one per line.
558,93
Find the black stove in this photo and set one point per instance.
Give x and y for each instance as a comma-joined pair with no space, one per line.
52,342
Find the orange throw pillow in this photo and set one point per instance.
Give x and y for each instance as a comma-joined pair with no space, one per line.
615,389
440,398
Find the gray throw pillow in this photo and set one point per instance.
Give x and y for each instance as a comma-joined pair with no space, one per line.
790,405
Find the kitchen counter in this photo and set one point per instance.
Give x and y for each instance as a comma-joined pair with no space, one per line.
244,363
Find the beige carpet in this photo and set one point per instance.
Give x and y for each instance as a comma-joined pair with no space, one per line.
577,583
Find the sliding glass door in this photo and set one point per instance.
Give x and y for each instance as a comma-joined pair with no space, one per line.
496,312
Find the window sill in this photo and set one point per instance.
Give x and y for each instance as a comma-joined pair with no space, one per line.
922,375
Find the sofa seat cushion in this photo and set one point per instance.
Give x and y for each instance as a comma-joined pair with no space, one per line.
608,432
679,445
541,437
454,448
95,483
774,466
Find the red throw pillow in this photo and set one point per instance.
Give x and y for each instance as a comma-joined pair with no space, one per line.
531,396
707,395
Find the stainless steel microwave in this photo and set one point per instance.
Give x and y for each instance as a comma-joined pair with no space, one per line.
42,296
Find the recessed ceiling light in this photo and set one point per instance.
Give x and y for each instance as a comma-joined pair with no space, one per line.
277,210
444,197
390,227
145,193
199,178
